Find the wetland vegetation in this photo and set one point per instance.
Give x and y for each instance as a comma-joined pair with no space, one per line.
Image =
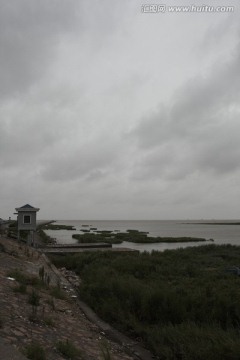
130,236
51,226
183,304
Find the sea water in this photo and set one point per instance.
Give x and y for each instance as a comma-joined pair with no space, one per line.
207,229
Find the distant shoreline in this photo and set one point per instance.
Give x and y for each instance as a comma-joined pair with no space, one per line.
184,221
215,223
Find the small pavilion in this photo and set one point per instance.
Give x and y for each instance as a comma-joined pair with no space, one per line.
27,221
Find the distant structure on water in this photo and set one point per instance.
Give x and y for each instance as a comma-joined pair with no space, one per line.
27,221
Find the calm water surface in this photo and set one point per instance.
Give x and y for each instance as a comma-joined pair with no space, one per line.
222,234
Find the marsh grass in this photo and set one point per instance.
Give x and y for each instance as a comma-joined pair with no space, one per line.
96,238
134,236
58,227
180,302
141,237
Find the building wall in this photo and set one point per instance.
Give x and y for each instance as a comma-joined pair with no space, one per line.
27,226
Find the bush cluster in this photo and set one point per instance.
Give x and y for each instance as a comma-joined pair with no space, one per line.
179,302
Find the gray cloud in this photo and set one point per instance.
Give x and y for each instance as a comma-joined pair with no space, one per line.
107,112
90,161
29,33
198,130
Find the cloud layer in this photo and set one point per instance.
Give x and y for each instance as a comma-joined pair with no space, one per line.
108,112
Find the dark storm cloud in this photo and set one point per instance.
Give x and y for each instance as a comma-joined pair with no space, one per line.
29,32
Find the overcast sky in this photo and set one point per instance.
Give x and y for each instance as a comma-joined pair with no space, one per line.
108,111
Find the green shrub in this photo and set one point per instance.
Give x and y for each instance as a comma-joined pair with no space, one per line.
34,298
57,227
105,351
51,303
13,224
25,279
18,276
68,349
169,299
33,317
49,321
34,351
2,248
45,238
58,293
190,341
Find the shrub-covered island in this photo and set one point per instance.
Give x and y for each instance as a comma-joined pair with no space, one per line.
183,304
58,227
131,236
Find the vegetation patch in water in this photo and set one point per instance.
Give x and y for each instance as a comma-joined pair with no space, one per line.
95,238
134,236
58,227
